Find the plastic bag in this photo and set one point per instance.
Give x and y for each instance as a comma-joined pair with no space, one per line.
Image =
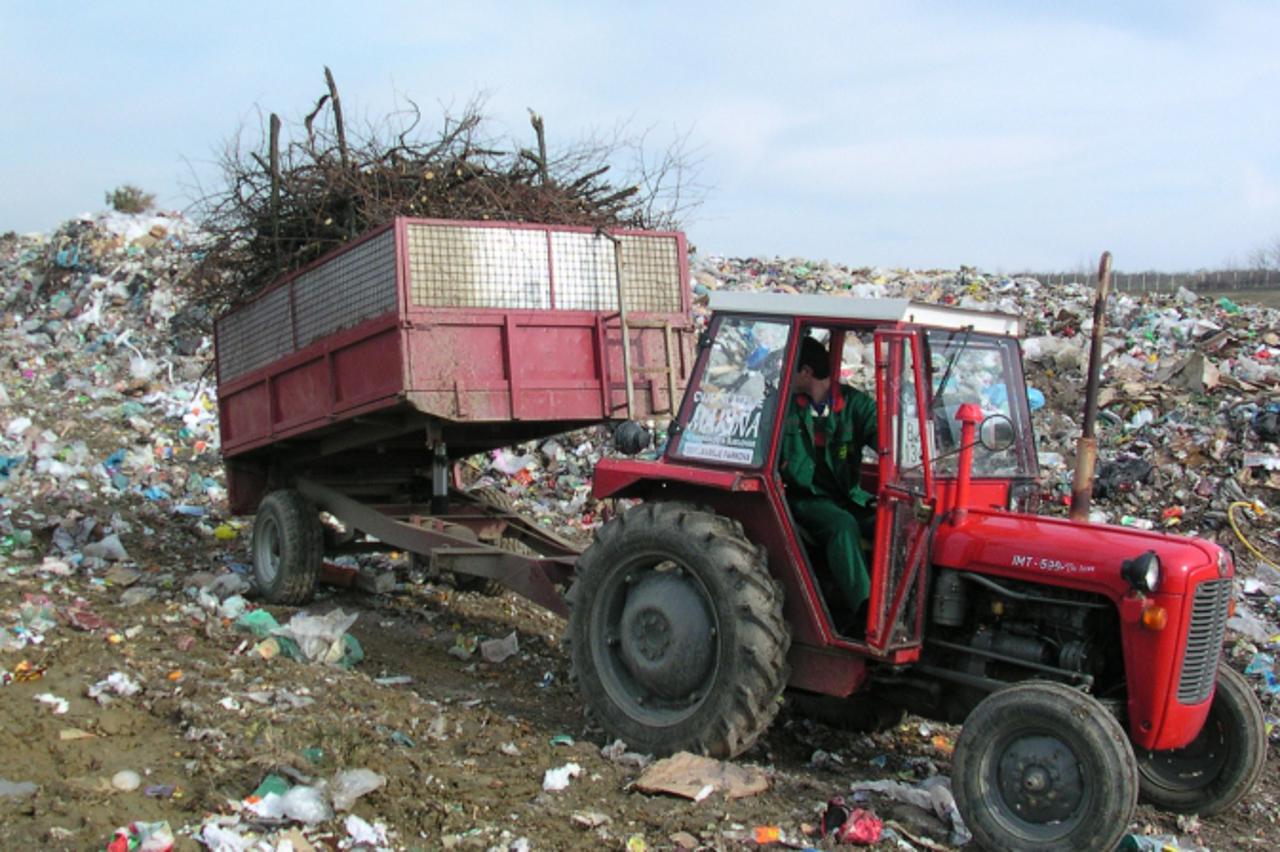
301,804
351,784
259,622
319,637
110,548
498,650
557,779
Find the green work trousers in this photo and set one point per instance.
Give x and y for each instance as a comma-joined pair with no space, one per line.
837,530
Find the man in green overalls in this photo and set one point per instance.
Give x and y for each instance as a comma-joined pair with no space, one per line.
826,428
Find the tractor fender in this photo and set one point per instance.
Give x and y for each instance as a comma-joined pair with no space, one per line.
623,477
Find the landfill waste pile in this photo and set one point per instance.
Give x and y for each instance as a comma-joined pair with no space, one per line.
150,701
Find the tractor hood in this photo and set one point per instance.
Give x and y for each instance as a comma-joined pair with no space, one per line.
1075,555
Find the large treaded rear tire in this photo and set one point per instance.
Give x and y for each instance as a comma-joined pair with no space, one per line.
677,633
1042,766
1220,766
288,547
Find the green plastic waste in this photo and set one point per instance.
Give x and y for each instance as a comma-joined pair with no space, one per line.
272,784
1228,305
314,755
352,652
259,622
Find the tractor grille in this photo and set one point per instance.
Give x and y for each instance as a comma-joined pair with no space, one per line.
1204,641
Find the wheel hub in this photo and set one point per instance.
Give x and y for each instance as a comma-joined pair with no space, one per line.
266,553
1036,780
1039,779
651,635
666,636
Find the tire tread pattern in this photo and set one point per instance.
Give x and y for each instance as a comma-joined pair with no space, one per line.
750,703
301,545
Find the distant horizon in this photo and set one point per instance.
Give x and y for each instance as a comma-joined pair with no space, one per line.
991,134
1089,272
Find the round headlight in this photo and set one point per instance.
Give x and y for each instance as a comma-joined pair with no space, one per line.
1142,572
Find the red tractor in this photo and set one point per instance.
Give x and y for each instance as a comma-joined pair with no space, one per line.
1083,658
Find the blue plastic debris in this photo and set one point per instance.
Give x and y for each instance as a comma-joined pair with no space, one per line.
1260,664
8,463
114,461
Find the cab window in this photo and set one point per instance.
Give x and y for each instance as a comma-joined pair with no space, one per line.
734,397
982,369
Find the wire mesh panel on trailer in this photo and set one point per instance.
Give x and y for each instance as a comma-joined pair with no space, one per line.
255,335
343,290
354,286
539,268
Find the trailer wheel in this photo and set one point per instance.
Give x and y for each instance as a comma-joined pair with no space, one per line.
677,633
1220,765
288,546
1042,766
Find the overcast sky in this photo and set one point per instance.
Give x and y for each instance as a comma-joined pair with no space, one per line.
1000,134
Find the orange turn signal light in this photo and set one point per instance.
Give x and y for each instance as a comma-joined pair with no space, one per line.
1231,608
1155,617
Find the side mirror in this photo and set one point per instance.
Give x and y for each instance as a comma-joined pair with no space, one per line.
631,438
996,434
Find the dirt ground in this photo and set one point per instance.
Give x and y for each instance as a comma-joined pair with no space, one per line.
463,746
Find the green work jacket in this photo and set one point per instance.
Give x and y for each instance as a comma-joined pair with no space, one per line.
832,470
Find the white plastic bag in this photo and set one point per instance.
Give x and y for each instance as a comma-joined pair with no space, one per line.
302,804
498,650
316,634
351,784
554,780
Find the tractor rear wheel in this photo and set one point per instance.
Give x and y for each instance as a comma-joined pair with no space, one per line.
677,633
1217,768
1042,766
288,547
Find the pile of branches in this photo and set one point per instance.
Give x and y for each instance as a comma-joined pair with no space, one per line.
291,200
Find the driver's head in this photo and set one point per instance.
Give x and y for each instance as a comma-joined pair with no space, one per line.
813,369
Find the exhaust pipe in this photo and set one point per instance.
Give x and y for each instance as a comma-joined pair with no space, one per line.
1087,446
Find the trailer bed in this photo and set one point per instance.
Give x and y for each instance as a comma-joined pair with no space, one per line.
470,335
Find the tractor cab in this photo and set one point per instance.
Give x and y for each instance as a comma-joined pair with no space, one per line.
917,366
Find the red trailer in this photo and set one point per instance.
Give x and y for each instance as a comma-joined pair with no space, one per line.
364,375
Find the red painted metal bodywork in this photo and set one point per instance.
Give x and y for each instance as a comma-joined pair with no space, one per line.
1087,557
986,538
516,373
1050,551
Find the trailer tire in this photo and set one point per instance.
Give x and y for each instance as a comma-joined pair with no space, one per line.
1220,765
676,632
1042,766
288,547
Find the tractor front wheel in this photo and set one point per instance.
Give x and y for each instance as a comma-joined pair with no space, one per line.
677,633
1042,766
288,547
1217,768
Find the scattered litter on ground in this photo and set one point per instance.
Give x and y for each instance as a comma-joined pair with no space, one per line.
693,776
557,779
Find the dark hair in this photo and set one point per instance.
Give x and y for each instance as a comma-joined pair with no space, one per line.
814,356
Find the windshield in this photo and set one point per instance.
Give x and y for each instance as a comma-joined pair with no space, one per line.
985,370
735,395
